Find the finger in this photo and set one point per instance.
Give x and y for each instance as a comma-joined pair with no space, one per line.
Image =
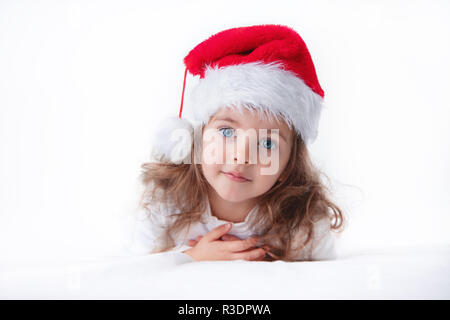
261,258
241,245
193,242
227,237
217,232
250,255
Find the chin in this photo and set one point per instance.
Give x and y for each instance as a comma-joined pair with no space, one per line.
231,194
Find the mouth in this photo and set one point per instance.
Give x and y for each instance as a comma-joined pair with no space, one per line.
235,176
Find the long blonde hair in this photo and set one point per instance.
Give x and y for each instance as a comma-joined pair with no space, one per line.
293,204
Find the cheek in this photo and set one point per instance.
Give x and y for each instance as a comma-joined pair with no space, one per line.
210,171
272,164
266,180
269,162
213,150
264,183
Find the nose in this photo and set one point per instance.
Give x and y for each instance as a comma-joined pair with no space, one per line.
242,153
236,161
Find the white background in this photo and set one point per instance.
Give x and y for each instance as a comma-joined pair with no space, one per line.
83,83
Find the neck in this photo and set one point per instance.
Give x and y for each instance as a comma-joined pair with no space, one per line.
227,210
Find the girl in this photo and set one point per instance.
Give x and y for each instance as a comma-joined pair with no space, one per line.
215,201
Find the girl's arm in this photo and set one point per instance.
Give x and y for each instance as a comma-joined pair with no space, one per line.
322,245
148,235
324,241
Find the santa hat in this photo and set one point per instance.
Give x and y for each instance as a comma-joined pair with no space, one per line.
263,67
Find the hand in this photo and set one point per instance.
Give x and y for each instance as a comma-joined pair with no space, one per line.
225,237
228,237
217,245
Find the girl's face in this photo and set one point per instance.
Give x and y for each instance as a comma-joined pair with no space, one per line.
245,145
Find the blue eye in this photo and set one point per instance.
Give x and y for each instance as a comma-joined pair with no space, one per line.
227,132
268,144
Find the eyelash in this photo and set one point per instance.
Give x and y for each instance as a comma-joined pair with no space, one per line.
273,143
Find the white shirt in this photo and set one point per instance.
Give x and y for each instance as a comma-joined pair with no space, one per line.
149,231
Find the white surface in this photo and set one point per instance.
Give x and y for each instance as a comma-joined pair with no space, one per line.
82,84
401,273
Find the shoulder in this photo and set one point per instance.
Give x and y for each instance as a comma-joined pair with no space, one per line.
153,215
150,225
156,214
323,244
155,205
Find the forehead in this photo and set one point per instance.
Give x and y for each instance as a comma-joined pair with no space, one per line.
245,118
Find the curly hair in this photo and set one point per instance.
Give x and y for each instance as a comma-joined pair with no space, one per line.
289,208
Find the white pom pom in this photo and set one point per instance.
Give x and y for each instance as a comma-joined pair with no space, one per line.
172,141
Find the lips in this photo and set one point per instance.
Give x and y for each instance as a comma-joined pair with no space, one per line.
235,176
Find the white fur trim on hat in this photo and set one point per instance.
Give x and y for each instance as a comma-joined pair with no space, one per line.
265,87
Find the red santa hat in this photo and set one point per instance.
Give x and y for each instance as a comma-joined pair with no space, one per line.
267,68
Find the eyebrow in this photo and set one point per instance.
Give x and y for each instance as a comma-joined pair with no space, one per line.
226,119
281,135
237,122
